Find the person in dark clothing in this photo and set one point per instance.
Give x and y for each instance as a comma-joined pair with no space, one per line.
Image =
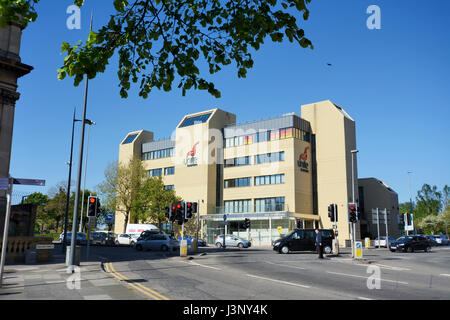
319,243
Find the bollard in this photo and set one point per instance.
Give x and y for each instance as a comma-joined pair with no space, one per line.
183,248
358,250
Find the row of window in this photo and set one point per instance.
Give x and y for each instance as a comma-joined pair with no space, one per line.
158,172
261,205
261,180
259,159
158,154
169,187
269,135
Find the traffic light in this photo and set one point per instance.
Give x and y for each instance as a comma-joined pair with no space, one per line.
246,223
180,212
352,215
168,212
298,223
173,213
408,219
93,206
332,212
190,209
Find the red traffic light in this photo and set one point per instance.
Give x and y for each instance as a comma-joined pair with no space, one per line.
189,204
352,207
92,200
173,207
178,206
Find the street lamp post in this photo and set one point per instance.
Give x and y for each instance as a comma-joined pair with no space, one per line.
66,217
89,122
410,198
354,152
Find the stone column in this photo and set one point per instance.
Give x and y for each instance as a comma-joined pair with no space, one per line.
11,68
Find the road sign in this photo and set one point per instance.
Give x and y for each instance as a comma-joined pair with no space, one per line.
45,246
29,182
358,250
279,229
224,217
109,218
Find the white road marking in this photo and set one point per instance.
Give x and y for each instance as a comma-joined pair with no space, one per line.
201,265
279,281
355,276
281,265
364,298
391,267
445,275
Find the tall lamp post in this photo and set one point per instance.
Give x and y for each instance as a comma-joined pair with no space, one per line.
66,217
89,122
410,197
354,152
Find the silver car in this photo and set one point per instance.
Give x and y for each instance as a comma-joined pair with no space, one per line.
159,241
232,241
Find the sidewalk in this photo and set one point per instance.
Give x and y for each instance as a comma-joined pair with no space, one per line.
51,282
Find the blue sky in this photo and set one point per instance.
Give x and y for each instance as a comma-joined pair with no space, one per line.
394,82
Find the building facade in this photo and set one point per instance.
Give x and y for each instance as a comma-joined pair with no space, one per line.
376,196
11,68
272,171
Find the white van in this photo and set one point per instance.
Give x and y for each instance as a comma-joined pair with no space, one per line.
137,229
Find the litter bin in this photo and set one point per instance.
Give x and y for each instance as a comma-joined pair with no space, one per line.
76,258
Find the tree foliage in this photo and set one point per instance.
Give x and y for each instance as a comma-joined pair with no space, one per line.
160,41
151,201
428,201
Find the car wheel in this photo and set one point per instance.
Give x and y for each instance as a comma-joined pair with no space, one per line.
218,245
139,247
241,245
410,249
116,243
285,250
132,243
327,250
164,248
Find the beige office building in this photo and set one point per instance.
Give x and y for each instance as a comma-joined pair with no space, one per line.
272,171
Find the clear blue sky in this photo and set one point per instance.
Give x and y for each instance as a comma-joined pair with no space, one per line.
394,82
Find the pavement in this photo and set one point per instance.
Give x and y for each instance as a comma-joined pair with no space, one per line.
50,281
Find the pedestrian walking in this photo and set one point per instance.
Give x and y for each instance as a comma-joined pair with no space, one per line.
319,243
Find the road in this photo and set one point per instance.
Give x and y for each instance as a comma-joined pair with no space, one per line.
261,274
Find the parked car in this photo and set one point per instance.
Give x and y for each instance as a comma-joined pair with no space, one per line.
445,241
231,241
147,233
81,238
190,240
432,240
381,242
410,244
438,239
158,241
304,240
98,238
126,239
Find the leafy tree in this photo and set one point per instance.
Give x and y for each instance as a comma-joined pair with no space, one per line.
428,201
160,40
152,198
124,182
36,198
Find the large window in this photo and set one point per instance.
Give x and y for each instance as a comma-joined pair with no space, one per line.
270,135
238,182
269,157
154,172
169,187
269,204
238,206
236,162
273,179
169,171
158,154
190,121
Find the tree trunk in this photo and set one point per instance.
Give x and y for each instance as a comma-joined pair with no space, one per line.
127,215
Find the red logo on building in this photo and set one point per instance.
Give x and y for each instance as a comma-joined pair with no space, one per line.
191,160
304,166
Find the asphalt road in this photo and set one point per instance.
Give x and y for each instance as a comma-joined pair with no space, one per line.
260,274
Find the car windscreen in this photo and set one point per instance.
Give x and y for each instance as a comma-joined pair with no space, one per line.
327,233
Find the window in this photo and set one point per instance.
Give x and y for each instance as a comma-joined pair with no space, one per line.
238,206
169,187
273,179
196,119
130,138
269,204
154,172
169,171
158,154
236,162
269,157
238,182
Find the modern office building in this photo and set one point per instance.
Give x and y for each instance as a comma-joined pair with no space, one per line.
272,171
376,196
